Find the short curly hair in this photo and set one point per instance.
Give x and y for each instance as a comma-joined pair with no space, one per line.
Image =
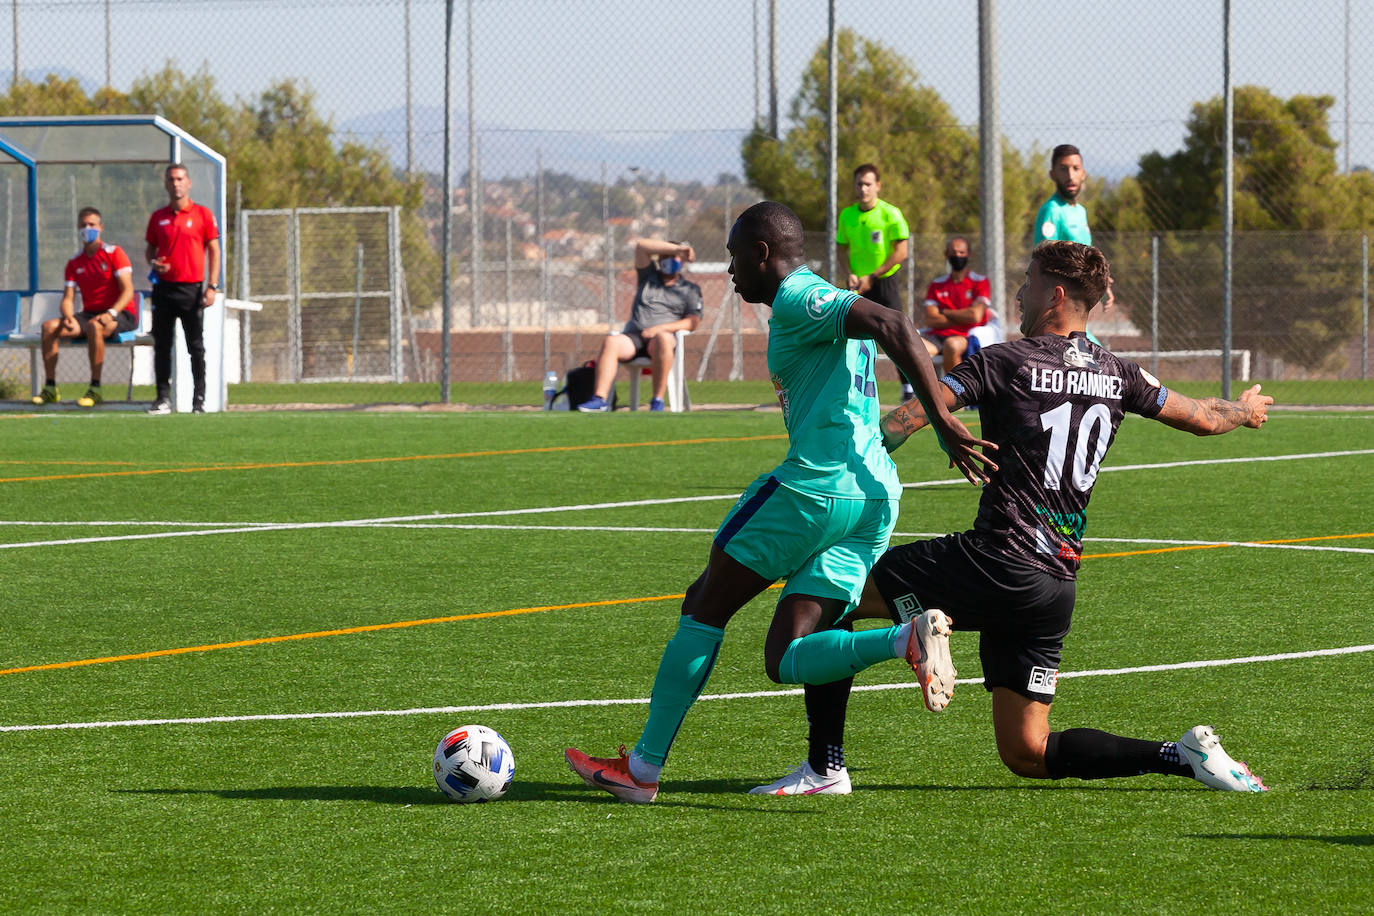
1082,269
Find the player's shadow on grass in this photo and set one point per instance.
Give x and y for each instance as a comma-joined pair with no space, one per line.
1336,839
688,792
381,795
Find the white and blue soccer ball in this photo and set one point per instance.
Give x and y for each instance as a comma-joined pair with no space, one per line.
473,764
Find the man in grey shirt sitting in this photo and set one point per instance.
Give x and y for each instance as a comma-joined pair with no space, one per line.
665,302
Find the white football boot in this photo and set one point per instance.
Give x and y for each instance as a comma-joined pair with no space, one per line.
927,652
806,781
1212,766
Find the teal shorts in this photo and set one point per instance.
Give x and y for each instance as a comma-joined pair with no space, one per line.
821,545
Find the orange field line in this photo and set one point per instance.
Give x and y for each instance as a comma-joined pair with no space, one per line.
511,612
370,628
258,466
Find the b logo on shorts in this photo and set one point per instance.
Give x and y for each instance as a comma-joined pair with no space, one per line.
1042,680
907,607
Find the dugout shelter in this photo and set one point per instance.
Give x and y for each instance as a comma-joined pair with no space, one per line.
52,166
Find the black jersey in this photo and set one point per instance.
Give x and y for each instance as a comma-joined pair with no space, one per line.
1053,405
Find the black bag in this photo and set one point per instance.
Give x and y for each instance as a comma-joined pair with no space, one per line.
580,386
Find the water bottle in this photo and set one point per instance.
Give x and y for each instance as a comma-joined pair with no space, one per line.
550,388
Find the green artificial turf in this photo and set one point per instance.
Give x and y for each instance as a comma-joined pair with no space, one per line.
300,525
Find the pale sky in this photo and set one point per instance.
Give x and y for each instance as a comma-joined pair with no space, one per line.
1113,77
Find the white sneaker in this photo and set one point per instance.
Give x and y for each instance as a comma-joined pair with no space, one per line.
806,781
161,407
1201,749
927,651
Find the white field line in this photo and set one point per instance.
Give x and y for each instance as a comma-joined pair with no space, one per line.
644,701
245,527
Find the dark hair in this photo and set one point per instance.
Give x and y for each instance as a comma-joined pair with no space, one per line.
868,167
1082,269
173,167
774,223
1062,150
89,211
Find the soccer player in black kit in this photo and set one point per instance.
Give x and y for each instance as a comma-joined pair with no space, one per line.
1052,402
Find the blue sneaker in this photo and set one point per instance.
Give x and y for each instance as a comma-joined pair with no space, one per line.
594,405
656,405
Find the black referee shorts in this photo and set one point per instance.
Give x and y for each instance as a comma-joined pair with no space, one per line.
887,291
1021,613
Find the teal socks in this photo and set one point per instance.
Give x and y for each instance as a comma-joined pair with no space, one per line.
831,655
682,672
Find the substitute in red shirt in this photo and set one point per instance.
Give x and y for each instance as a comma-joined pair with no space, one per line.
956,303
103,274
97,274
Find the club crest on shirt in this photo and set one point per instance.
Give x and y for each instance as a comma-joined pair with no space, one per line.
1078,355
819,303
876,236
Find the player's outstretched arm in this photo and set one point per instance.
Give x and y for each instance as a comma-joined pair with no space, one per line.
899,340
902,422
1213,416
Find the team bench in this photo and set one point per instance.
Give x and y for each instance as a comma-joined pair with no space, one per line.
21,325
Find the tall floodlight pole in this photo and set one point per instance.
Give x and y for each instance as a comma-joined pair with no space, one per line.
410,103
447,260
831,138
757,107
474,191
1228,216
990,154
773,69
1347,87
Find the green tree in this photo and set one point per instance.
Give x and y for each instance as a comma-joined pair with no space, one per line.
929,161
1294,267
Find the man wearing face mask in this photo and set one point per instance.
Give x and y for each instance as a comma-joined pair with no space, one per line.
105,277
665,303
956,303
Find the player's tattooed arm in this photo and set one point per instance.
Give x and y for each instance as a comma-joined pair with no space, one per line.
901,423
1212,416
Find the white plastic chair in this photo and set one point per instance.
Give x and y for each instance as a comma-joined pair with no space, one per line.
678,399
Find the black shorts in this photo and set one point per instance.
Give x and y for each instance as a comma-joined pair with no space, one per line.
124,321
887,291
641,345
1021,613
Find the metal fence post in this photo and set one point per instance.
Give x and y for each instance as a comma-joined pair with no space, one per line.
1364,306
1154,305
245,291
395,272
295,337
507,340
357,312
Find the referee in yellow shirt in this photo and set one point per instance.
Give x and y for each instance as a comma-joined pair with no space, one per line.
872,239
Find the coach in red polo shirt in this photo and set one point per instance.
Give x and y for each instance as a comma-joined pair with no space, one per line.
179,237
956,303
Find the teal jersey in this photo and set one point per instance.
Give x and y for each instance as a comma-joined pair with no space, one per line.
1061,221
825,383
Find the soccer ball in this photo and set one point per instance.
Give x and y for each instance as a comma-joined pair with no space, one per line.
473,764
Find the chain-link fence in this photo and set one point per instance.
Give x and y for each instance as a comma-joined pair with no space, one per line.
329,281
595,121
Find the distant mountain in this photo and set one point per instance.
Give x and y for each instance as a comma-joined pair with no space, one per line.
508,152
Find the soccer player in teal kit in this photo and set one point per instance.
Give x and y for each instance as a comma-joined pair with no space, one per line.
823,516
